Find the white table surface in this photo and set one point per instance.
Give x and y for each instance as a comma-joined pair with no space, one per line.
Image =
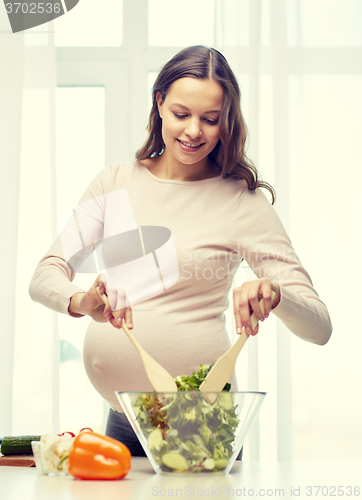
246,480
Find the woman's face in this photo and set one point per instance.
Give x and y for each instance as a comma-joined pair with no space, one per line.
190,120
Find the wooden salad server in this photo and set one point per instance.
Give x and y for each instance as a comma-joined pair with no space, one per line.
160,379
222,370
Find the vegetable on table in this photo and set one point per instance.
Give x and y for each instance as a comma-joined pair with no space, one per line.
95,456
54,452
18,445
21,445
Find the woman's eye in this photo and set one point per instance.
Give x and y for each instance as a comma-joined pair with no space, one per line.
206,120
211,122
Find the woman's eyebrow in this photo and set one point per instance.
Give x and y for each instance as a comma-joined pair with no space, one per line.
187,109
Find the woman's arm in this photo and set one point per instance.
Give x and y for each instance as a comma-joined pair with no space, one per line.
260,238
52,285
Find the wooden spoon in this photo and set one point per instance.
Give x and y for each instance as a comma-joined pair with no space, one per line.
222,370
160,379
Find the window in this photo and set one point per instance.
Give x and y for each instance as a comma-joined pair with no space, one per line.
171,23
80,133
91,24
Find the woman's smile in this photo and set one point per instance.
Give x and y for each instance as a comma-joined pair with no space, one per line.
189,147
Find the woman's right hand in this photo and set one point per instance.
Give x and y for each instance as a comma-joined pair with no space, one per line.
91,304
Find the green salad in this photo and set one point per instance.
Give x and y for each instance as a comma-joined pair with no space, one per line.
193,382
184,432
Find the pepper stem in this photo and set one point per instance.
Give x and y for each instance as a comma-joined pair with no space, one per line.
64,457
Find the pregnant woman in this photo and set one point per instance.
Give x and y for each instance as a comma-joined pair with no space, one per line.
173,226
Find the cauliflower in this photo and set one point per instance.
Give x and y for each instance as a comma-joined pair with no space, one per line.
54,452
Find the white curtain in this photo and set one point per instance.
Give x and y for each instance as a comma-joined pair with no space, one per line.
243,49
29,341
10,109
299,66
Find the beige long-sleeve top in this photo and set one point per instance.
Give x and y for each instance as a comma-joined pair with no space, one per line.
214,224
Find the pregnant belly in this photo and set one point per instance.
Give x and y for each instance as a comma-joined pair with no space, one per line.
113,364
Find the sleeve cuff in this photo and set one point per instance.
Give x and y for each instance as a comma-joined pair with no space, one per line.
64,299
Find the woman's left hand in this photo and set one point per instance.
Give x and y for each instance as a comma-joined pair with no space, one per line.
247,298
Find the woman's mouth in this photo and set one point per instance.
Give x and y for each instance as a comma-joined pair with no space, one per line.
190,147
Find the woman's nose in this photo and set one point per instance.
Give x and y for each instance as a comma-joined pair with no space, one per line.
193,129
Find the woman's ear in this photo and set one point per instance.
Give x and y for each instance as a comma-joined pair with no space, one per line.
159,103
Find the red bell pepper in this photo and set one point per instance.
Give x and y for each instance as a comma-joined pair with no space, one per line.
94,456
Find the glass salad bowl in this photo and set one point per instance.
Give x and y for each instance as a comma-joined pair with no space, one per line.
191,431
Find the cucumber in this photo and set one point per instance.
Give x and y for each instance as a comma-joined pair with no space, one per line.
209,463
18,445
221,463
226,400
175,461
154,440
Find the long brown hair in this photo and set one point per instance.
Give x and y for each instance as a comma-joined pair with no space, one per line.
229,154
